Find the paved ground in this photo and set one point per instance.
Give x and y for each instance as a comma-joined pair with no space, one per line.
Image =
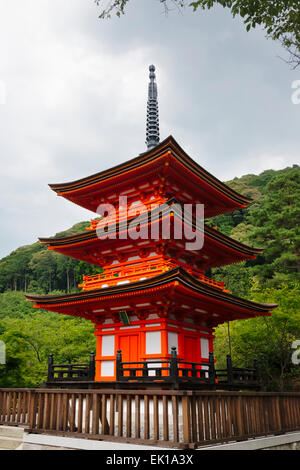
14,438
11,438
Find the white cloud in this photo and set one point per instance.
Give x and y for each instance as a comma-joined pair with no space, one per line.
75,100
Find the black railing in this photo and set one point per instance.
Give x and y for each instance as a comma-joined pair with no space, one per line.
235,376
172,370
178,371
71,372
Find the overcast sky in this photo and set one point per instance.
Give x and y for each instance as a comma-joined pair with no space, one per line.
73,92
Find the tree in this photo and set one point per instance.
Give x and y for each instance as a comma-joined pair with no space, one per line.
279,18
30,335
269,223
268,339
272,224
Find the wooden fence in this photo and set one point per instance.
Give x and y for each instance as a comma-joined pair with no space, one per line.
180,419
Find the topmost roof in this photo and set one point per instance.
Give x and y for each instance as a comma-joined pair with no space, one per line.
177,167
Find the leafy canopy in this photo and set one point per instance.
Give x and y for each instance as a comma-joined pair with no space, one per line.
268,339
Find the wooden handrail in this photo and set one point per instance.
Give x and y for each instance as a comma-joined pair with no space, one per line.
81,371
169,418
203,372
134,270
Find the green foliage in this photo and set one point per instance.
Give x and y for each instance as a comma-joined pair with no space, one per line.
35,269
269,339
237,278
269,223
30,335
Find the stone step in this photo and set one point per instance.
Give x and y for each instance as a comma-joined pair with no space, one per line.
11,437
9,443
11,431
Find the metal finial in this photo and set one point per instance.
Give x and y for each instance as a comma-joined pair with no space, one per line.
152,130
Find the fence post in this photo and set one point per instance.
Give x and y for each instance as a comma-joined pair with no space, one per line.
211,369
92,367
229,370
50,368
186,419
145,369
32,408
119,367
174,365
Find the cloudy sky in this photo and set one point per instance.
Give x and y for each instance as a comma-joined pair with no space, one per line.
73,92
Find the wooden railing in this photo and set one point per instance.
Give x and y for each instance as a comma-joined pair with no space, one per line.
238,377
15,406
132,271
181,419
177,371
71,372
172,370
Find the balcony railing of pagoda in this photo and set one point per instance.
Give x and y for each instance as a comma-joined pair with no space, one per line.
172,370
177,371
133,209
71,372
137,270
131,272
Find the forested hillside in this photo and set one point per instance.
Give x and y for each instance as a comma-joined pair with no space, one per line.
270,222
33,268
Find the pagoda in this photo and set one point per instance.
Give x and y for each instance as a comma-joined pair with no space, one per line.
153,293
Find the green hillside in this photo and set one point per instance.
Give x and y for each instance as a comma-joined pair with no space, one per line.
270,222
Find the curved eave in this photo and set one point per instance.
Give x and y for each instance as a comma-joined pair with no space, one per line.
119,172
176,278
85,238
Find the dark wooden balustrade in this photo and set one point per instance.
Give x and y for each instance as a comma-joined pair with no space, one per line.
175,371
71,372
236,377
168,418
171,371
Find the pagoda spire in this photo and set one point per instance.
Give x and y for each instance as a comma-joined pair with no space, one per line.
152,130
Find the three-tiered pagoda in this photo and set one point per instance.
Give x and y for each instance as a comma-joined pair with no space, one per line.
152,294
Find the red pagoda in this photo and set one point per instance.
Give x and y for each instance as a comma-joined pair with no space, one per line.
152,295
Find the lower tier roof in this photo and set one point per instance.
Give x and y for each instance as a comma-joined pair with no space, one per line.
174,292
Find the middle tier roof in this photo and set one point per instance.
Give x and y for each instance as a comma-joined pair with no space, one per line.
217,250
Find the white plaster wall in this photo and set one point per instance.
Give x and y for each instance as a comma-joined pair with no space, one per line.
172,341
204,348
108,345
153,342
107,368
